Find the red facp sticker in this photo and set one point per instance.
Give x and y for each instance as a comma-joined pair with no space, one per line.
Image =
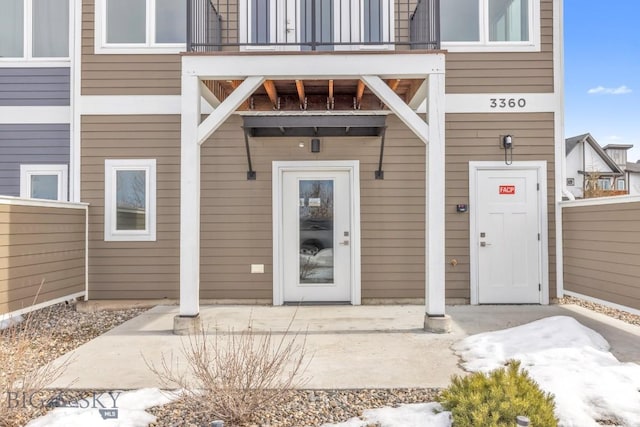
507,189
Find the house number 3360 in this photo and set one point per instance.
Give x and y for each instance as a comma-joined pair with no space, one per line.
507,102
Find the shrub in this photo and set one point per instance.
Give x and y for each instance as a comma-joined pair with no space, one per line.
232,376
497,398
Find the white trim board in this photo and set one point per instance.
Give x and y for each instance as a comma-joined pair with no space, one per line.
501,103
170,104
278,168
13,314
19,201
35,115
541,167
599,201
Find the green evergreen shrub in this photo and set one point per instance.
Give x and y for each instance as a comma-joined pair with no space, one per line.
497,398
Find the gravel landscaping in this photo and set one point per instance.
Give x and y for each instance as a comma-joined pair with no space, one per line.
61,329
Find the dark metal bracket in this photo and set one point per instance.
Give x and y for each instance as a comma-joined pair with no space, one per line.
251,174
379,174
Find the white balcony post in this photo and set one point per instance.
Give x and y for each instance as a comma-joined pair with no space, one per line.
435,319
190,198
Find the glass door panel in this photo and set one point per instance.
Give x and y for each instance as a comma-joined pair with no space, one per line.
316,231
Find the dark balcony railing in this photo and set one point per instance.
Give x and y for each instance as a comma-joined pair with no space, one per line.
312,24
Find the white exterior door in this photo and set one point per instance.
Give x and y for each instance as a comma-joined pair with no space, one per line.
508,236
316,236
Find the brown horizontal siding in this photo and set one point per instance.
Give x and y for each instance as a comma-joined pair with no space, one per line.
475,137
506,72
133,269
237,214
124,74
40,246
601,247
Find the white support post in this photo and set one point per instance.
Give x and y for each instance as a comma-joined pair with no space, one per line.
435,319
190,198
398,106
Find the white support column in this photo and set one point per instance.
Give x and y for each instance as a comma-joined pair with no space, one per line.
190,199
435,319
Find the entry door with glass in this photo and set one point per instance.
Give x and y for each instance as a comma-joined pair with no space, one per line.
316,236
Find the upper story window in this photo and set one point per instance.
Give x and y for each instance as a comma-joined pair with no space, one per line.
34,29
490,25
136,26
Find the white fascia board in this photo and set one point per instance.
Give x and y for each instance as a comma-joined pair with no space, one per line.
20,201
334,66
600,201
501,103
32,115
398,106
134,104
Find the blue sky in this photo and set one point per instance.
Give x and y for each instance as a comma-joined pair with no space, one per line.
602,71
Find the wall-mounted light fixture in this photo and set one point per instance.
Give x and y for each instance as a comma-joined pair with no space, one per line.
507,144
315,145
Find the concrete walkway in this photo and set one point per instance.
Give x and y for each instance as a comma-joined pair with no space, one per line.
352,347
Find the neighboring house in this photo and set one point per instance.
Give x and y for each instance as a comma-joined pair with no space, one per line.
285,157
633,178
592,167
35,92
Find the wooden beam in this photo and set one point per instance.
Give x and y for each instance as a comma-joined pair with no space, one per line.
270,87
301,94
359,93
330,99
393,84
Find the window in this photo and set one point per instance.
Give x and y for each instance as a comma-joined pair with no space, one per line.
620,184
34,29
481,25
604,184
130,200
47,182
130,26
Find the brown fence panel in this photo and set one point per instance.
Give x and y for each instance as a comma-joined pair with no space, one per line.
601,243
42,253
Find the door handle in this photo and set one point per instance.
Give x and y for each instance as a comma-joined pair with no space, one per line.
484,244
344,243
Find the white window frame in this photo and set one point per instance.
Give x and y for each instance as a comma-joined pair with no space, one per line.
27,58
484,45
111,167
623,186
60,171
102,47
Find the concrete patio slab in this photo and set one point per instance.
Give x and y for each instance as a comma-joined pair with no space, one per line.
352,347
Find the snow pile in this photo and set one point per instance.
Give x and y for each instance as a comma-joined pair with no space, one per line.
566,359
130,411
415,415
10,321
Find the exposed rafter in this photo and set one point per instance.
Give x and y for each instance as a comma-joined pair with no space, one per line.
270,87
301,95
359,94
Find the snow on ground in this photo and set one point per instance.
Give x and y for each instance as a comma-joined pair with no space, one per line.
567,359
414,415
130,410
6,322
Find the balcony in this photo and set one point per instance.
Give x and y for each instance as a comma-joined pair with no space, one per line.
312,25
